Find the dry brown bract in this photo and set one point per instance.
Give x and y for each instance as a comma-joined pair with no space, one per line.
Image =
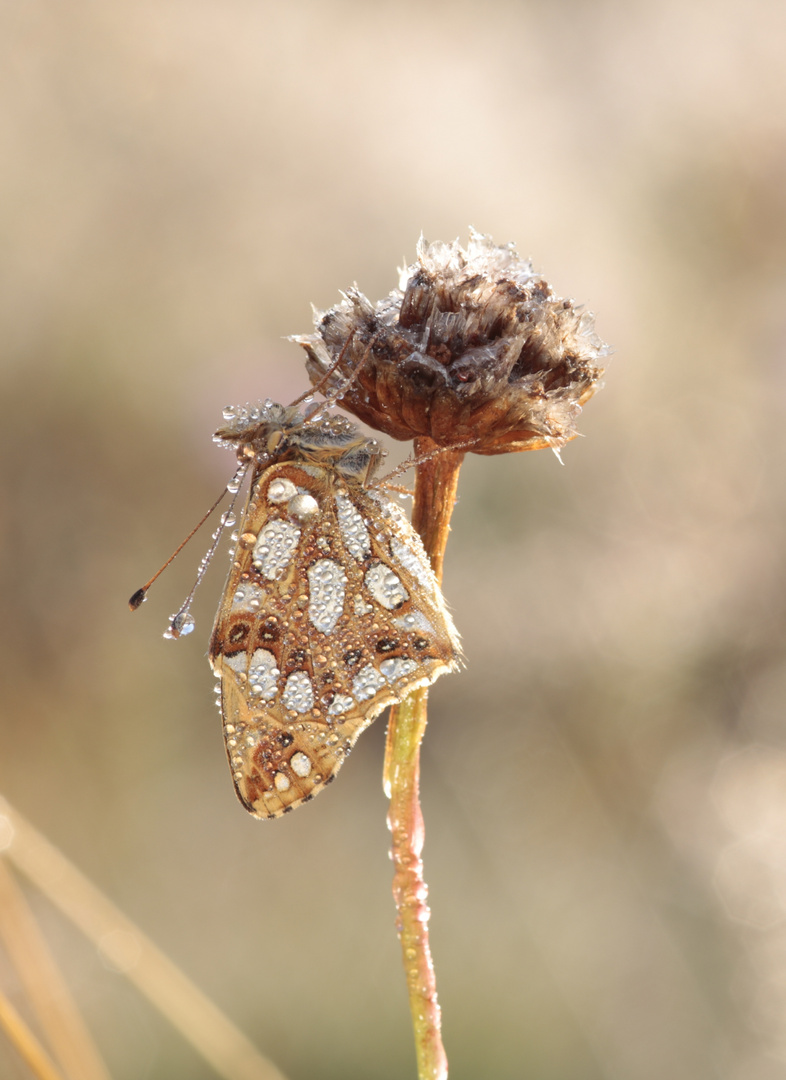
473,348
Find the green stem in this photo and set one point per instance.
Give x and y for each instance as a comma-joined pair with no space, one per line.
436,480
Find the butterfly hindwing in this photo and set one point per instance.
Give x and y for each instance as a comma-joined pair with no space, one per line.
331,612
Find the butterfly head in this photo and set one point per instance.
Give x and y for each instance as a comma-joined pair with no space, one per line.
268,433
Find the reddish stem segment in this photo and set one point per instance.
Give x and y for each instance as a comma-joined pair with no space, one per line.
435,494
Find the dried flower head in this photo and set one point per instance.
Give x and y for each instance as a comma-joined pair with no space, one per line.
473,348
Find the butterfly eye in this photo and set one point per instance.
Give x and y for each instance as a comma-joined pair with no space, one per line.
274,441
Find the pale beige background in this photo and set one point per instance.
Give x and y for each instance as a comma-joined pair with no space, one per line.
605,784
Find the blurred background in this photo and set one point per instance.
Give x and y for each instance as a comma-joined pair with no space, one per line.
604,786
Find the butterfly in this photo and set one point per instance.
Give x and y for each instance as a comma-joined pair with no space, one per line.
330,612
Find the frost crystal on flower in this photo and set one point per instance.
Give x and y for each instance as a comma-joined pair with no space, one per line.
474,347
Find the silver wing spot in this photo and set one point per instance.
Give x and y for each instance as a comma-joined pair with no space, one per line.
274,548
327,585
385,586
353,529
298,693
263,675
367,682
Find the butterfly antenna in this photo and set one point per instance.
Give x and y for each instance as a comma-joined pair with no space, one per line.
411,462
319,387
233,486
342,388
182,622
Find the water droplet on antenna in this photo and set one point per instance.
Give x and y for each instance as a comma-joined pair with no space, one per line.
180,625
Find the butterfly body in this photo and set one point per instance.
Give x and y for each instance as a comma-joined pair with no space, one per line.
331,611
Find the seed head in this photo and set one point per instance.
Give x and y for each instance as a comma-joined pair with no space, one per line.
473,347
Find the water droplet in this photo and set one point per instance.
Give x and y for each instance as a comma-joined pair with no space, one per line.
234,485
230,412
228,519
180,624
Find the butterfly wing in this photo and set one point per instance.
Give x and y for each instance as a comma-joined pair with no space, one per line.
331,612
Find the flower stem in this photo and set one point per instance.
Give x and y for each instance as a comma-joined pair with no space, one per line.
436,480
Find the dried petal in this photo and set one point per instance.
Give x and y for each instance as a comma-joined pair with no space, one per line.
474,347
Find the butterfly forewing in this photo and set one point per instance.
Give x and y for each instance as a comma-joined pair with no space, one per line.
331,612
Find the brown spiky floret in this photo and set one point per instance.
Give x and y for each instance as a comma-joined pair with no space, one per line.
474,347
